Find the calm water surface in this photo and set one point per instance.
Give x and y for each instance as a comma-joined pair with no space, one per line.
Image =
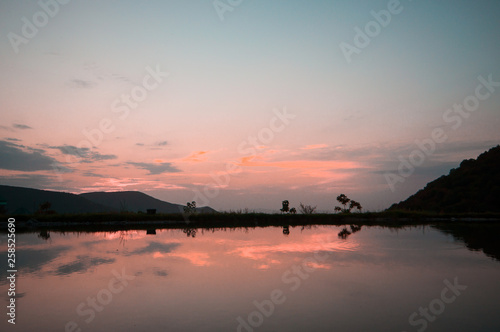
375,279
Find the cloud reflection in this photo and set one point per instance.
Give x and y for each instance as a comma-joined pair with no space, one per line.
82,264
155,247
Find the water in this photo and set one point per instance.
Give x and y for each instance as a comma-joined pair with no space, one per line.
256,280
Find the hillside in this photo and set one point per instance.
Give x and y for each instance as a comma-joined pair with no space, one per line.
472,187
135,201
21,200
131,201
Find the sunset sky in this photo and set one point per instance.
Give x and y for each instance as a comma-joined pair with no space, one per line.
245,105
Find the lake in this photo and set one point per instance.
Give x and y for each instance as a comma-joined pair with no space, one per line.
317,278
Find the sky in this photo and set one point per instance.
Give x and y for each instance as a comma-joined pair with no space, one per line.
242,104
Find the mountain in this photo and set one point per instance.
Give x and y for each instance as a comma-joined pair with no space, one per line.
472,187
20,200
136,201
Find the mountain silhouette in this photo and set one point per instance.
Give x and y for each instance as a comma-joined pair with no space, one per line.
472,187
136,201
21,200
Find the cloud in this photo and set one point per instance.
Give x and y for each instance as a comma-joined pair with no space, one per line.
314,147
13,139
79,83
86,154
161,273
32,180
21,126
14,157
92,174
197,156
15,126
156,168
153,247
155,145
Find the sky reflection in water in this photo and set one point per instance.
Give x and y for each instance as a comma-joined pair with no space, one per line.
374,279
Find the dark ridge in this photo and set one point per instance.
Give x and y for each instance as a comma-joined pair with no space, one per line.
19,200
473,187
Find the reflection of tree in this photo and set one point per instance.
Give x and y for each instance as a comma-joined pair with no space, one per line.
355,228
344,233
44,234
189,232
286,230
123,237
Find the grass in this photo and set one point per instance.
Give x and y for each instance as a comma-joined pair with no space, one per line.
129,220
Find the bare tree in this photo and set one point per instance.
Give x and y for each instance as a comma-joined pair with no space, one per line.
307,209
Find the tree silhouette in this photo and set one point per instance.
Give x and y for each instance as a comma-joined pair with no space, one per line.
293,210
344,201
306,209
348,204
190,207
286,206
44,208
354,204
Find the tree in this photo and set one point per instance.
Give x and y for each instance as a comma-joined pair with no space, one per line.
344,200
44,208
190,207
354,204
285,207
306,209
293,210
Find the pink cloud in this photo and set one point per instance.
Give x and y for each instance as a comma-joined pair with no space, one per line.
314,146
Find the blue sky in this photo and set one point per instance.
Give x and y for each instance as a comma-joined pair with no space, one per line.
225,77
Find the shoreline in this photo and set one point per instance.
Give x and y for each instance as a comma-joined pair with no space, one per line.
117,222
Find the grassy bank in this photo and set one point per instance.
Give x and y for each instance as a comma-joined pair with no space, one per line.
108,221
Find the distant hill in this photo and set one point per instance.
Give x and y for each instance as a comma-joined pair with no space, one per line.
136,201
472,187
21,200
